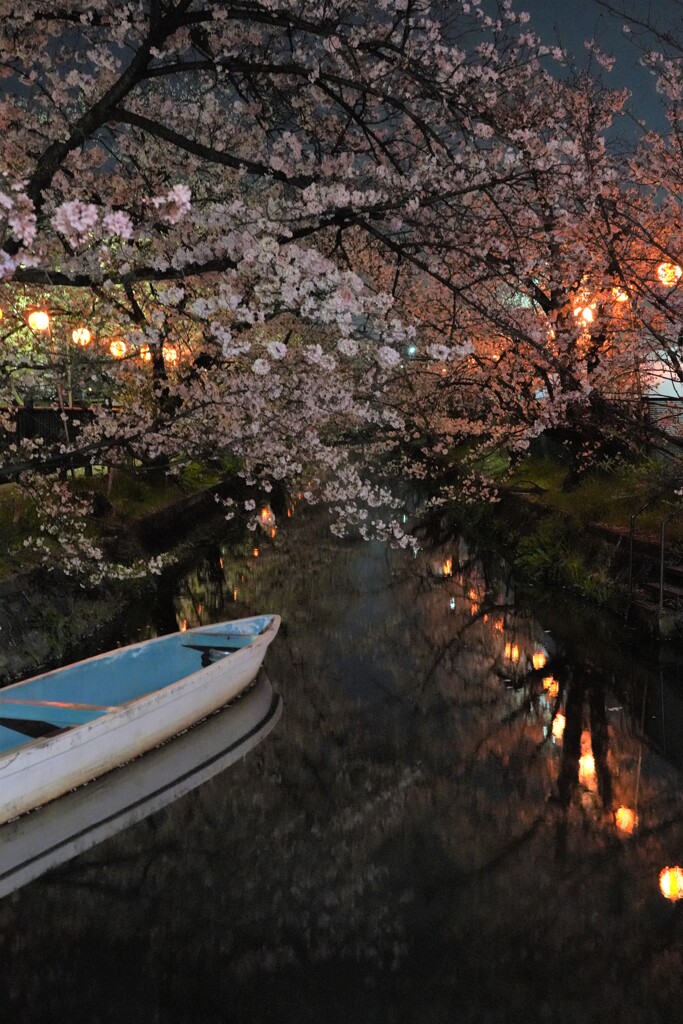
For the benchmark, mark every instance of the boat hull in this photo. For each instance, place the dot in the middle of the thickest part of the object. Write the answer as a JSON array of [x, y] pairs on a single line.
[[63, 829], [45, 769]]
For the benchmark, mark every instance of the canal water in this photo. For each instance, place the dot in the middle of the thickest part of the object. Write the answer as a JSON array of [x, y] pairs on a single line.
[[461, 816]]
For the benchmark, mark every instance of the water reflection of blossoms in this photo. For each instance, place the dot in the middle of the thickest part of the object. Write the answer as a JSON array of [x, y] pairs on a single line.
[[592, 741], [213, 589]]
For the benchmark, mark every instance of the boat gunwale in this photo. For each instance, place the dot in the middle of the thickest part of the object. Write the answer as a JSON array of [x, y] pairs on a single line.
[[134, 708]]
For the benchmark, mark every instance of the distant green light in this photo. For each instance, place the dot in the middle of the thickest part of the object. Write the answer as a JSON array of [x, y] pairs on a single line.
[[412, 350]]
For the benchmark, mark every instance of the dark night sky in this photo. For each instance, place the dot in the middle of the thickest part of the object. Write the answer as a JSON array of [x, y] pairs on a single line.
[[571, 22]]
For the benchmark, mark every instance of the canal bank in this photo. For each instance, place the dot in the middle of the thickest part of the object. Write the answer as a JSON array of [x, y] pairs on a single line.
[[48, 617]]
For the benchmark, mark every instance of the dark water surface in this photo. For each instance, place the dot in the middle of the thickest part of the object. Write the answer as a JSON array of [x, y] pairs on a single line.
[[411, 842]]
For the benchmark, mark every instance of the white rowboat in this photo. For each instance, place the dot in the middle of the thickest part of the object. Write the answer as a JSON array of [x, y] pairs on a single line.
[[63, 728], [52, 835]]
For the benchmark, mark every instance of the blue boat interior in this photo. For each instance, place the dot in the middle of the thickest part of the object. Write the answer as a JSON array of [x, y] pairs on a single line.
[[83, 692]]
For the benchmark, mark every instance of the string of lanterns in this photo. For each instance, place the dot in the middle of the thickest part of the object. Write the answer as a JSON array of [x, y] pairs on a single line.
[[39, 320]]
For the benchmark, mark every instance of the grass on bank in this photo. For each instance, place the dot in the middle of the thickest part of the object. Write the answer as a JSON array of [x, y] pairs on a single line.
[[544, 524], [608, 494], [122, 497]]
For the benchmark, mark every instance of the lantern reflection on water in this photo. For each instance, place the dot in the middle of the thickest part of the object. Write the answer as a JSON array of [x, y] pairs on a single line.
[[626, 819], [587, 773], [551, 686], [671, 883], [587, 770], [512, 652], [438, 568], [559, 723], [539, 658]]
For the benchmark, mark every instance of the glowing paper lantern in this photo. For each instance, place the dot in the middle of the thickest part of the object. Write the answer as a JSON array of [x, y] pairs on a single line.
[[145, 354], [669, 274], [118, 348], [671, 883], [39, 320], [267, 516], [447, 567], [81, 336], [170, 354], [619, 295]]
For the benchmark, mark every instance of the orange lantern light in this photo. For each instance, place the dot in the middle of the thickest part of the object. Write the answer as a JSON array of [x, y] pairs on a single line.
[[559, 723], [669, 274], [512, 652], [255, 552], [626, 819], [619, 295], [539, 658], [552, 686], [183, 626], [447, 567], [671, 883], [586, 314], [170, 354], [267, 516], [587, 770], [145, 354], [118, 348], [39, 320], [81, 336], [1, 314]]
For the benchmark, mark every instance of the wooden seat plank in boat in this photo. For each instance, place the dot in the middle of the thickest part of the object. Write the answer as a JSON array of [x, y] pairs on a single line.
[[59, 713]]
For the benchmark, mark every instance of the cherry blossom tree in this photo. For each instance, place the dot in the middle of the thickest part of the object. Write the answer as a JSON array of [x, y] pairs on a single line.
[[367, 227]]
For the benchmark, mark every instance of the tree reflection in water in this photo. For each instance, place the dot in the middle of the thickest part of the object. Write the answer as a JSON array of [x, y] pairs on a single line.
[[419, 839]]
